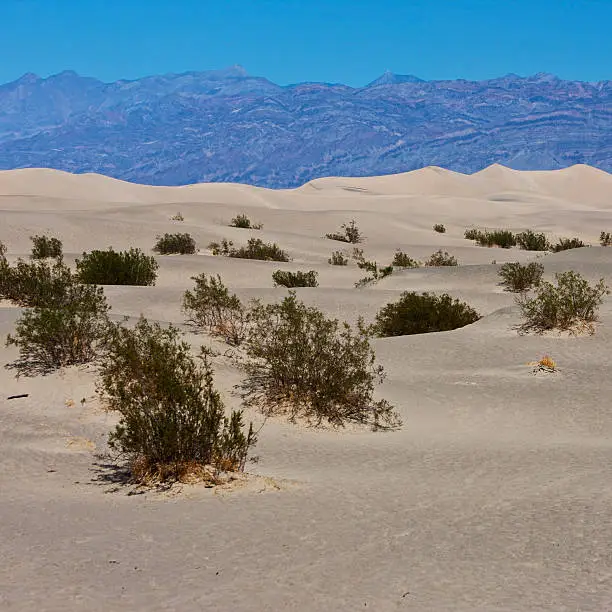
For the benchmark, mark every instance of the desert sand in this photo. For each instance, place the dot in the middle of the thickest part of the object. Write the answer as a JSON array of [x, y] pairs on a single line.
[[496, 493]]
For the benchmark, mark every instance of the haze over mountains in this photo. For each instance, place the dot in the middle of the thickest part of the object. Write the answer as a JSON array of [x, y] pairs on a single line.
[[229, 126]]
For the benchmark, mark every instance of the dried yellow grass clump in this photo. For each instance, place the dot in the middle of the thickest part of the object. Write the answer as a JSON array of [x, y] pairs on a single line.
[[546, 364]]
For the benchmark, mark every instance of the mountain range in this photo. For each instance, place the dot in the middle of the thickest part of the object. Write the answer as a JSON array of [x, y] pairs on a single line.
[[226, 125]]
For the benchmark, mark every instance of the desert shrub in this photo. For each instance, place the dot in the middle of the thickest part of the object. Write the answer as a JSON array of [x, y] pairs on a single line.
[[338, 259], [501, 238], [349, 234], [211, 306], [2, 251], [605, 239], [177, 217], [375, 272], [438, 227], [422, 313], [172, 420], [65, 334], [517, 277], [44, 247], [530, 241], [303, 364], [295, 279], [169, 244], [572, 302], [36, 283], [441, 258], [242, 221], [565, 244], [111, 267], [403, 260], [254, 249], [4, 272], [472, 234]]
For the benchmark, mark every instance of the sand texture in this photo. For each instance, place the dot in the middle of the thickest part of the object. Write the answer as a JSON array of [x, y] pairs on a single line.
[[496, 493]]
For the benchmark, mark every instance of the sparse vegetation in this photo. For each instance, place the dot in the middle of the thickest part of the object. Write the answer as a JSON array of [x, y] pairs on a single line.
[[518, 278], [254, 249], [65, 332], [243, 222], [423, 313], [111, 267], [530, 241], [338, 259], [177, 217], [572, 303], [605, 239], [44, 247], [376, 273], [565, 244], [295, 279], [472, 234], [211, 306], [438, 227], [500, 238], [403, 260], [441, 258], [170, 244], [172, 420], [306, 365], [349, 234]]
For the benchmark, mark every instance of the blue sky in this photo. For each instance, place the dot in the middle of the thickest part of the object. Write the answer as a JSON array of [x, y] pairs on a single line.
[[349, 41]]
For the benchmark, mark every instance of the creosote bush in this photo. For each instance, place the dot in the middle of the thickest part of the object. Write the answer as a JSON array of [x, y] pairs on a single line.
[[172, 420], [295, 279], [64, 332], [349, 234], [44, 247], [500, 238], [375, 272], [168, 244], [110, 267], [605, 239], [472, 234], [422, 313], [338, 259], [254, 249], [441, 258], [518, 278], [572, 303], [243, 222], [565, 244], [438, 227], [530, 241], [211, 306], [403, 260], [303, 364]]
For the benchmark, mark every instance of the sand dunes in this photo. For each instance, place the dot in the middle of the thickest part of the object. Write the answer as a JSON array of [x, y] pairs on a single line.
[[495, 495]]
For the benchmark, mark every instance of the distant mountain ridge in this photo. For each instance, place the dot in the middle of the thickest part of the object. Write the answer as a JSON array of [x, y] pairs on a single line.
[[226, 125]]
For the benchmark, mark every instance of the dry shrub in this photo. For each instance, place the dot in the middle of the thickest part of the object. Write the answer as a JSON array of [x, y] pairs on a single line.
[[403, 260], [350, 233], [438, 227], [243, 222], [565, 244], [441, 258], [605, 239], [338, 259], [295, 279]]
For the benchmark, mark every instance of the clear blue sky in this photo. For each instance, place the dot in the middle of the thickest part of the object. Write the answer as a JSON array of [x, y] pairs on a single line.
[[349, 41]]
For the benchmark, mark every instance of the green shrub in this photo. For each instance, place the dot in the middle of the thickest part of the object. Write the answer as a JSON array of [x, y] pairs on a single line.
[[168, 244], [44, 247], [376, 273], [301, 363], [338, 259], [605, 239], [403, 260], [211, 306], [438, 227], [572, 302], [350, 234], [530, 241], [36, 283], [68, 334], [565, 244], [472, 234], [2, 251], [441, 258], [518, 278], [242, 221], [110, 267], [255, 249], [295, 279], [422, 313], [172, 420], [501, 238]]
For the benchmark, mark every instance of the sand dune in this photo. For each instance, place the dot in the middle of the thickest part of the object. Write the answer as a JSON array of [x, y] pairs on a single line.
[[495, 494]]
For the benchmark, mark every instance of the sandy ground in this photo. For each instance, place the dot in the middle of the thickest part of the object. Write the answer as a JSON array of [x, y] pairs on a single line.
[[495, 494]]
